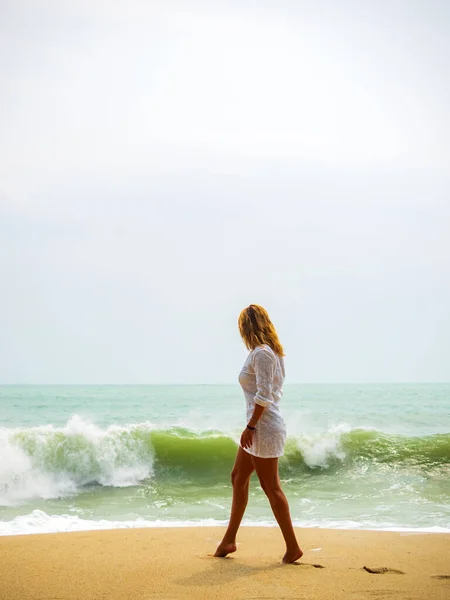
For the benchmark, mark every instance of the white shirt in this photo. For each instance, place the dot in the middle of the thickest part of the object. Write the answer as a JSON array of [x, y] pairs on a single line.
[[262, 378]]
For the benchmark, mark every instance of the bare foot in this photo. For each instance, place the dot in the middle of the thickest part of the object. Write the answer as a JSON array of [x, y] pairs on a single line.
[[292, 555], [223, 549]]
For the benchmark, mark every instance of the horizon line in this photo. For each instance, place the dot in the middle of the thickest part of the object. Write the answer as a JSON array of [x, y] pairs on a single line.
[[178, 384]]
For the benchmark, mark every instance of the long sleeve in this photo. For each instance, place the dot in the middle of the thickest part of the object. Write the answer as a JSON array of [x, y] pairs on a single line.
[[264, 363]]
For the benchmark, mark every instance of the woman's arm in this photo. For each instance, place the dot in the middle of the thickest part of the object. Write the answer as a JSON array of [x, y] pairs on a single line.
[[249, 431]]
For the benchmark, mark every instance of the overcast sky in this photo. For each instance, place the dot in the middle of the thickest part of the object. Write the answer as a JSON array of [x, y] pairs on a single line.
[[163, 164]]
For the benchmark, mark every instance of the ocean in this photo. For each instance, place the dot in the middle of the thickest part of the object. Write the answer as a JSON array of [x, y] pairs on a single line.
[[102, 457]]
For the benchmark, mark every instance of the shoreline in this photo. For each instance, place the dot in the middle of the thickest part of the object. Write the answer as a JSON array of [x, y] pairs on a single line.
[[173, 562], [196, 525], [86, 525]]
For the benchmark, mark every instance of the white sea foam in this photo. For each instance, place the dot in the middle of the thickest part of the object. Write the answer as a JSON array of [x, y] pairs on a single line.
[[40, 522], [51, 462]]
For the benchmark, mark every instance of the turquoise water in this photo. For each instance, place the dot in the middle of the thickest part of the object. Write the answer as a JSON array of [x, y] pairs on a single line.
[[86, 457]]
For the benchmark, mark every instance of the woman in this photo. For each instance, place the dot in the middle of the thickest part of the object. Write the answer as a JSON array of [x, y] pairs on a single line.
[[262, 441]]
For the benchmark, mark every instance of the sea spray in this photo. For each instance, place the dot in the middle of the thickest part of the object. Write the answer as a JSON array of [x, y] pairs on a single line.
[[320, 450], [50, 462]]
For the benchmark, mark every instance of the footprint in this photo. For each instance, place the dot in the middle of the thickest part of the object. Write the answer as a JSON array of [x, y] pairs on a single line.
[[440, 576], [379, 570], [315, 565]]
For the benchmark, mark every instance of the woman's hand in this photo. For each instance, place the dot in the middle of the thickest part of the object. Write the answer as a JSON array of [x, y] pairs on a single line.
[[247, 438]]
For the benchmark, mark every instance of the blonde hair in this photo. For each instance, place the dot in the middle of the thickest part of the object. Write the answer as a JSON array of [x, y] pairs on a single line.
[[257, 329]]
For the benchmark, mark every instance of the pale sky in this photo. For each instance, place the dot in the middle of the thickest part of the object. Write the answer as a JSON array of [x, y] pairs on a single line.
[[164, 164]]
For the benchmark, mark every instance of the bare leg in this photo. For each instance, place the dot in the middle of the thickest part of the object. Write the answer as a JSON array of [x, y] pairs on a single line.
[[267, 471], [240, 478]]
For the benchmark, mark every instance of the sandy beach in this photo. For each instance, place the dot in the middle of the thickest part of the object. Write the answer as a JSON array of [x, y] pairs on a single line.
[[175, 563]]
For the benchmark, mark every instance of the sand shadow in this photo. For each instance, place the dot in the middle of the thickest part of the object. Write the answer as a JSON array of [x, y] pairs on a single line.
[[221, 571]]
